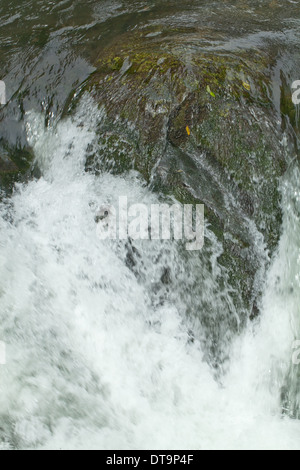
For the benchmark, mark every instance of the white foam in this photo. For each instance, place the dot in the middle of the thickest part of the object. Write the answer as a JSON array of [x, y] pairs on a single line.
[[92, 360]]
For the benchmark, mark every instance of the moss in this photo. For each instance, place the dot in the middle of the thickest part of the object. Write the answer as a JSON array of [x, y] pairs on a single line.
[[41, 37], [114, 154], [109, 64]]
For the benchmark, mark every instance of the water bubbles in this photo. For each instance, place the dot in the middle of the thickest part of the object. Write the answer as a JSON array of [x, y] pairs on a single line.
[[105, 343]]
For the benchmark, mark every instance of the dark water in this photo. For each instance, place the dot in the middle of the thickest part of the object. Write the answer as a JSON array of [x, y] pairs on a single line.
[[46, 48]]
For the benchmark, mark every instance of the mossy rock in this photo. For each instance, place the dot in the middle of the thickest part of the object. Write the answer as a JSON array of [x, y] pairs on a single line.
[[115, 154], [200, 127]]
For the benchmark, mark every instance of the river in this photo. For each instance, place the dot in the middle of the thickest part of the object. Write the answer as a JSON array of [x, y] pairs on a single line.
[[100, 355]]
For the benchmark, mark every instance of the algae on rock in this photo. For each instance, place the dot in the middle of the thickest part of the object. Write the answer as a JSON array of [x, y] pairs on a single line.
[[198, 126]]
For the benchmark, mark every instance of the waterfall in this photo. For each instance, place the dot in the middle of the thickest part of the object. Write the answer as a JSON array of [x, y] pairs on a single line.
[[100, 352]]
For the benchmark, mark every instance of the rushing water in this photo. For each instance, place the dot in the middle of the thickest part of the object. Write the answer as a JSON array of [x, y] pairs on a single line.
[[100, 352], [92, 360]]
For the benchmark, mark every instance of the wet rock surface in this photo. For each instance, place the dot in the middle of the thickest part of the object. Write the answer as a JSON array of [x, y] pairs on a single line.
[[15, 163], [200, 126]]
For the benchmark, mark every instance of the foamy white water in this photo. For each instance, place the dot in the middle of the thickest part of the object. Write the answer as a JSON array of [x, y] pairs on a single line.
[[98, 356]]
